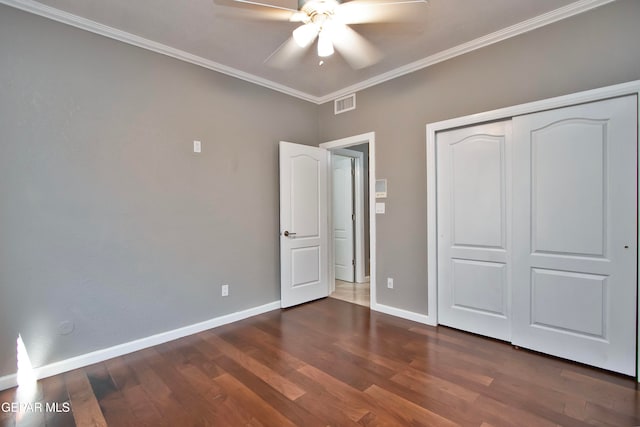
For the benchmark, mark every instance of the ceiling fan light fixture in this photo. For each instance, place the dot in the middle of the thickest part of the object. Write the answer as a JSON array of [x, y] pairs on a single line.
[[325, 46], [305, 34]]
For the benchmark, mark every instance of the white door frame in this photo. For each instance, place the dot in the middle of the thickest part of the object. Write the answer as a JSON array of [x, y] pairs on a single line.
[[358, 195], [364, 138], [630, 88]]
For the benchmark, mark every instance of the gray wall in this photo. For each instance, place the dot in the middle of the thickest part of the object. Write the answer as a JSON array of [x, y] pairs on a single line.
[[594, 49], [108, 219]]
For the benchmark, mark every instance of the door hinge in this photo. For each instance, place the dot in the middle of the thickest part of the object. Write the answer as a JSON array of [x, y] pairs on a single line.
[[353, 217], [353, 262]]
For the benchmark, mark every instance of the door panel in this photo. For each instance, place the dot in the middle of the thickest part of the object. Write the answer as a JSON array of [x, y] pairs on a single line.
[[343, 217], [477, 191], [303, 216], [473, 219], [568, 169], [574, 204], [479, 286], [552, 291], [305, 266], [305, 196]]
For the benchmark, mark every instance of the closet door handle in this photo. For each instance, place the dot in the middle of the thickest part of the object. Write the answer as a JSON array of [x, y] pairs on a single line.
[[287, 234]]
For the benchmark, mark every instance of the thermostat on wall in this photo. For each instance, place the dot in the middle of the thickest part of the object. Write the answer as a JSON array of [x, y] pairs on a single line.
[[381, 188]]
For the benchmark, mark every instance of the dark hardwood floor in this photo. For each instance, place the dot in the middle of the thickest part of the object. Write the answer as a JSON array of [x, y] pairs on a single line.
[[334, 363]]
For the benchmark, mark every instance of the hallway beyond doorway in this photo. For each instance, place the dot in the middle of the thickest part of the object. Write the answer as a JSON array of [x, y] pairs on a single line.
[[356, 293]]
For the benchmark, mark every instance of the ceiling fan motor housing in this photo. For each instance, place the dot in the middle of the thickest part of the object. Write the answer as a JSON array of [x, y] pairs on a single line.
[[317, 5]]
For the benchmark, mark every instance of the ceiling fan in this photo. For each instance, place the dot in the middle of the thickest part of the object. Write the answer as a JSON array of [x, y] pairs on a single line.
[[329, 22]]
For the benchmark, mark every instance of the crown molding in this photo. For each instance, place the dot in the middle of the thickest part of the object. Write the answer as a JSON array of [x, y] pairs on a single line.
[[506, 33], [125, 37], [104, 30]]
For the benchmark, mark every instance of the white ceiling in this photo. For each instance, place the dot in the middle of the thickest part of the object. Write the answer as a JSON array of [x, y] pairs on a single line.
[[229, 36]]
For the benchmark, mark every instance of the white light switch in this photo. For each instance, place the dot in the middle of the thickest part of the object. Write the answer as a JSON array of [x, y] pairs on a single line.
[[380, 208], [197, 147]]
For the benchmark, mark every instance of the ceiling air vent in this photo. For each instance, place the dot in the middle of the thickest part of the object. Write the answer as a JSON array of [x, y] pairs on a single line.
[[346, 103]]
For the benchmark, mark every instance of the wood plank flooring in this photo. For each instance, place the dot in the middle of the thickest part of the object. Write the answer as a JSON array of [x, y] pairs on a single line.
[[333, 363]]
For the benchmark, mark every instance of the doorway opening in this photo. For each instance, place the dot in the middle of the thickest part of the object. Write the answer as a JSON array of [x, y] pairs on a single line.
[[352, 225]]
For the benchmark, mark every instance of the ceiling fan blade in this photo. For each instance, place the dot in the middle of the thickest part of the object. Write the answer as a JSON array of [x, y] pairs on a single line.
[[253, 14], [239, 9], [355, 49], [365, 12], [387, 2], [299, 17], [273, 6], [287, 55]]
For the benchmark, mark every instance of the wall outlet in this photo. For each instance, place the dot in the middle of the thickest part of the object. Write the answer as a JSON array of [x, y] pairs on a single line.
[[390, 282], [225, 290], [197, 147]]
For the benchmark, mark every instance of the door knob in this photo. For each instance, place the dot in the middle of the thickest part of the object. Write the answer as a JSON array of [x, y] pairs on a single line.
[[287, 234]]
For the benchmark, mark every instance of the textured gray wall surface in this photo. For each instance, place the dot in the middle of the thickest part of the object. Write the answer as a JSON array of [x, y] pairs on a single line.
[[591, 50], [107, 217]]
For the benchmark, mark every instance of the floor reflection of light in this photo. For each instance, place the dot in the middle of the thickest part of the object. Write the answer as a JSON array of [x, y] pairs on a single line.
[[27, 382]]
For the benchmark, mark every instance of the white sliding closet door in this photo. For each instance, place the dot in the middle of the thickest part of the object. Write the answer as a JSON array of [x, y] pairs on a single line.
[[575, 233], [473, 226]]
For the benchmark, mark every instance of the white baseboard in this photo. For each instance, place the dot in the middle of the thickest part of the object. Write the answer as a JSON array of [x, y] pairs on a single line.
[[97, 356], [409, 315]]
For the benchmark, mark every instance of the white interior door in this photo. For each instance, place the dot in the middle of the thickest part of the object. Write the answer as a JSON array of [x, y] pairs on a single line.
[[303, 224], [473, 173], [575, 254], [343, 217]]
